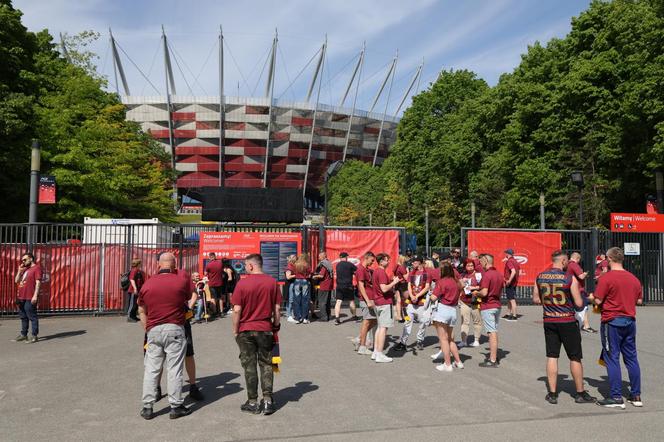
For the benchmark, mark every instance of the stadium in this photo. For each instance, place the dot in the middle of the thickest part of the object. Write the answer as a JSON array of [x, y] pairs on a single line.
[[262, 141]]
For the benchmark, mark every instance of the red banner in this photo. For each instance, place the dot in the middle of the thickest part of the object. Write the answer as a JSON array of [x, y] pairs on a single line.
[[637, 222], [531, 249], [47, 190], [357, 242], [275, 247]]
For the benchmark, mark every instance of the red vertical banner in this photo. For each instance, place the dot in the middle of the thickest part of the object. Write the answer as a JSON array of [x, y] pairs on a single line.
[[357, 242], [531, 249], [47, 190]]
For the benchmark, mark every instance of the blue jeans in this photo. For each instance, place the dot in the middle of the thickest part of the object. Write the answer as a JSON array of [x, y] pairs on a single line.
[[289, 301], [301, 299], [28, 313], [199, 309], [617, 339]]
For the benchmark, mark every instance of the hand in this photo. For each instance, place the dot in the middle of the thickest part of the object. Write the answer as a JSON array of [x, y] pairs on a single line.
[[34, 300], [395, 279], [371, 304], [537, 301]]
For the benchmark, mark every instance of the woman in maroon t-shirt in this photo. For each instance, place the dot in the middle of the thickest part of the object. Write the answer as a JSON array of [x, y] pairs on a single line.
[[469, 307], [301, 289], [136, 280], [446, 294], [401, 290]]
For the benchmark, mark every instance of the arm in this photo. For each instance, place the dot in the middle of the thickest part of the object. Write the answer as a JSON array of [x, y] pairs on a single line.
[[143, 316], [21, 269], [193, 299], [390, 286], [363, 292], [512, 274], [35, 296], [424, 291], [576, 293], [237, 309], [483, 292], [290, 275], [536, 296], [276, 316]]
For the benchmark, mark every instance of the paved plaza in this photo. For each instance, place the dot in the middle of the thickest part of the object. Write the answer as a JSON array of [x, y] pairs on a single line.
[[83, 380]]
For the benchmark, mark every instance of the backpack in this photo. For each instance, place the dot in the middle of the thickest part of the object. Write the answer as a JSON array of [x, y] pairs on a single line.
[[124, 281]]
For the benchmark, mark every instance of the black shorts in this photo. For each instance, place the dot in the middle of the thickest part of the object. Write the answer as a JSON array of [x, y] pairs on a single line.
[[216, 292], [510, 293], [566, 334], [189, 337], [402, 287], [345, 294]]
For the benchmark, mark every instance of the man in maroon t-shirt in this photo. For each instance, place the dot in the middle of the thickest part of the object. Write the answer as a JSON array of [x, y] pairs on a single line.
[[384, 298], [511, 275], [28, 278], [574, 269], [161, 308], [256, 317], [214, 271], [491, 287], [325, 286], [365, 288]]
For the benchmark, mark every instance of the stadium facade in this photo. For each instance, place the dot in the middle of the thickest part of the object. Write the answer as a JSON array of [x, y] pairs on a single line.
[[262, 141]]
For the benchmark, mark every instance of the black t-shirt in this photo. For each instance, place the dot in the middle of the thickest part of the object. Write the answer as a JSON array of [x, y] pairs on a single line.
[[345, 271]]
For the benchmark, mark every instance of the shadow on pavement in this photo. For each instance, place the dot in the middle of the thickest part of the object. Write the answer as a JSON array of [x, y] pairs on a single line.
[[63, 335], [501, 354], [215, 387], [565, 384], [293, 394], [604, 388]]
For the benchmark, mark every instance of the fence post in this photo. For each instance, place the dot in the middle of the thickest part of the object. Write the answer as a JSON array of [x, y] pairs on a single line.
[[180, 247], [304, 233], [102, 268], [321, 238], [463, 242], [404, 239], [590, 259]]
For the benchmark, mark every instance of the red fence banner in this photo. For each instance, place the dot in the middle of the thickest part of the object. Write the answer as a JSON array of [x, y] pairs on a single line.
[[531, 249], [275, 247], [637, 222], [357, 242]]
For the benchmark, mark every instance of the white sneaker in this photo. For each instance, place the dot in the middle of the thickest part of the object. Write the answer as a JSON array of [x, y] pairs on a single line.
[[437, 355], [305, 321], [373, 356], [291, 320], [475, 344], [444, 367], [458, 365], [364, 351], [381, 358]]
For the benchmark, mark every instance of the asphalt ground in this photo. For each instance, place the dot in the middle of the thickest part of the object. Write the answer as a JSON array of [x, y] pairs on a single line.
[[82, 381]]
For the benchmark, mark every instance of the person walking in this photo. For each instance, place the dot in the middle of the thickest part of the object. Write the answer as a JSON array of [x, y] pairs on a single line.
[[384, 299], [345, 291], [289, 274], [28, 278], [136, 281], [618, 292], [559, 294], [161, 303], [214, 272], [444, 315], [365, 287], [511, 275], [256, 317], [325, 278], [301, 290], [491, 287]]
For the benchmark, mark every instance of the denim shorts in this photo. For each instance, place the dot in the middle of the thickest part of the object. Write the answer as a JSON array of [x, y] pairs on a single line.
[[444, 314], [490, 319]]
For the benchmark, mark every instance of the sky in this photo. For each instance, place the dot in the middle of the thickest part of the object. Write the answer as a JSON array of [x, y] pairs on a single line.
[[484, 36]]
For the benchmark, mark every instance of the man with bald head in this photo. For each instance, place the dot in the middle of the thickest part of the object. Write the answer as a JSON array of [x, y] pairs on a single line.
[[161, 309]]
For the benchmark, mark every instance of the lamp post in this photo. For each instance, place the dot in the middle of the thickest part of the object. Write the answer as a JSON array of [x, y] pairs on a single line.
[[577, 180], [472, 214], [542, 219], [35, 166], [331, 171]]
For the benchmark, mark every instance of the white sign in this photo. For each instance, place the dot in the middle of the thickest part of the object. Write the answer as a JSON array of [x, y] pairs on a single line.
[[632, 249]]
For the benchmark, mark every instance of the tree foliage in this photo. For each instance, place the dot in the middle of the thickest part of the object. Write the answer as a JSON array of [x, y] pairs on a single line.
[[104, 165], [592, 101]]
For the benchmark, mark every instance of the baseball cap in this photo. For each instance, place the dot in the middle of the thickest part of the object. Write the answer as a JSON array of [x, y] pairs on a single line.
[[343, 255], [444, 256], [509, 251], [416, 258]]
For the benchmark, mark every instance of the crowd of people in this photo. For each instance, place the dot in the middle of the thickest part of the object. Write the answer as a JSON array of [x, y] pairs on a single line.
[[444, 291]]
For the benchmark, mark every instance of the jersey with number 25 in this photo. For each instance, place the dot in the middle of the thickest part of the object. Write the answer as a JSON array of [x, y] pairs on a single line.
[[554, 289]]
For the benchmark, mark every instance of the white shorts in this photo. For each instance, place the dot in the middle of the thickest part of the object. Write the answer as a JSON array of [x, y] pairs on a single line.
[[384, 314], [444, 314]]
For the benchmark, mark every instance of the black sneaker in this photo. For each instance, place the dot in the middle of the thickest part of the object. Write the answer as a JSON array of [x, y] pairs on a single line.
[[179, 411], [584, 398], [420, 345], [146, 413], [612, 403], [251, 407], [635, 400], [400, 347], [268, 407], [489, 364], [358, 319], [337, 321], [552, 398], [195, 393], [589, 330], [510, 318], [158, 395]]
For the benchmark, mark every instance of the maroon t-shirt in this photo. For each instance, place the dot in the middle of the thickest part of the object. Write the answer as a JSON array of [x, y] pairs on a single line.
[[478, 265], [434, 274], [447, 291], [401, 272], [215, 273], [366, 276], [599, 271], [510, 264], [382, 298], [574, 269], [327, 283], [164, 296], [28, 282], [619, 290], [493, 281], [139, 279], [468, 298], [257, 294], [418, 279]]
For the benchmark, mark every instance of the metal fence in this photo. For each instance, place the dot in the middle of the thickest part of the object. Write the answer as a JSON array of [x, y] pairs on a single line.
[[82, 263], [648, 266]]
